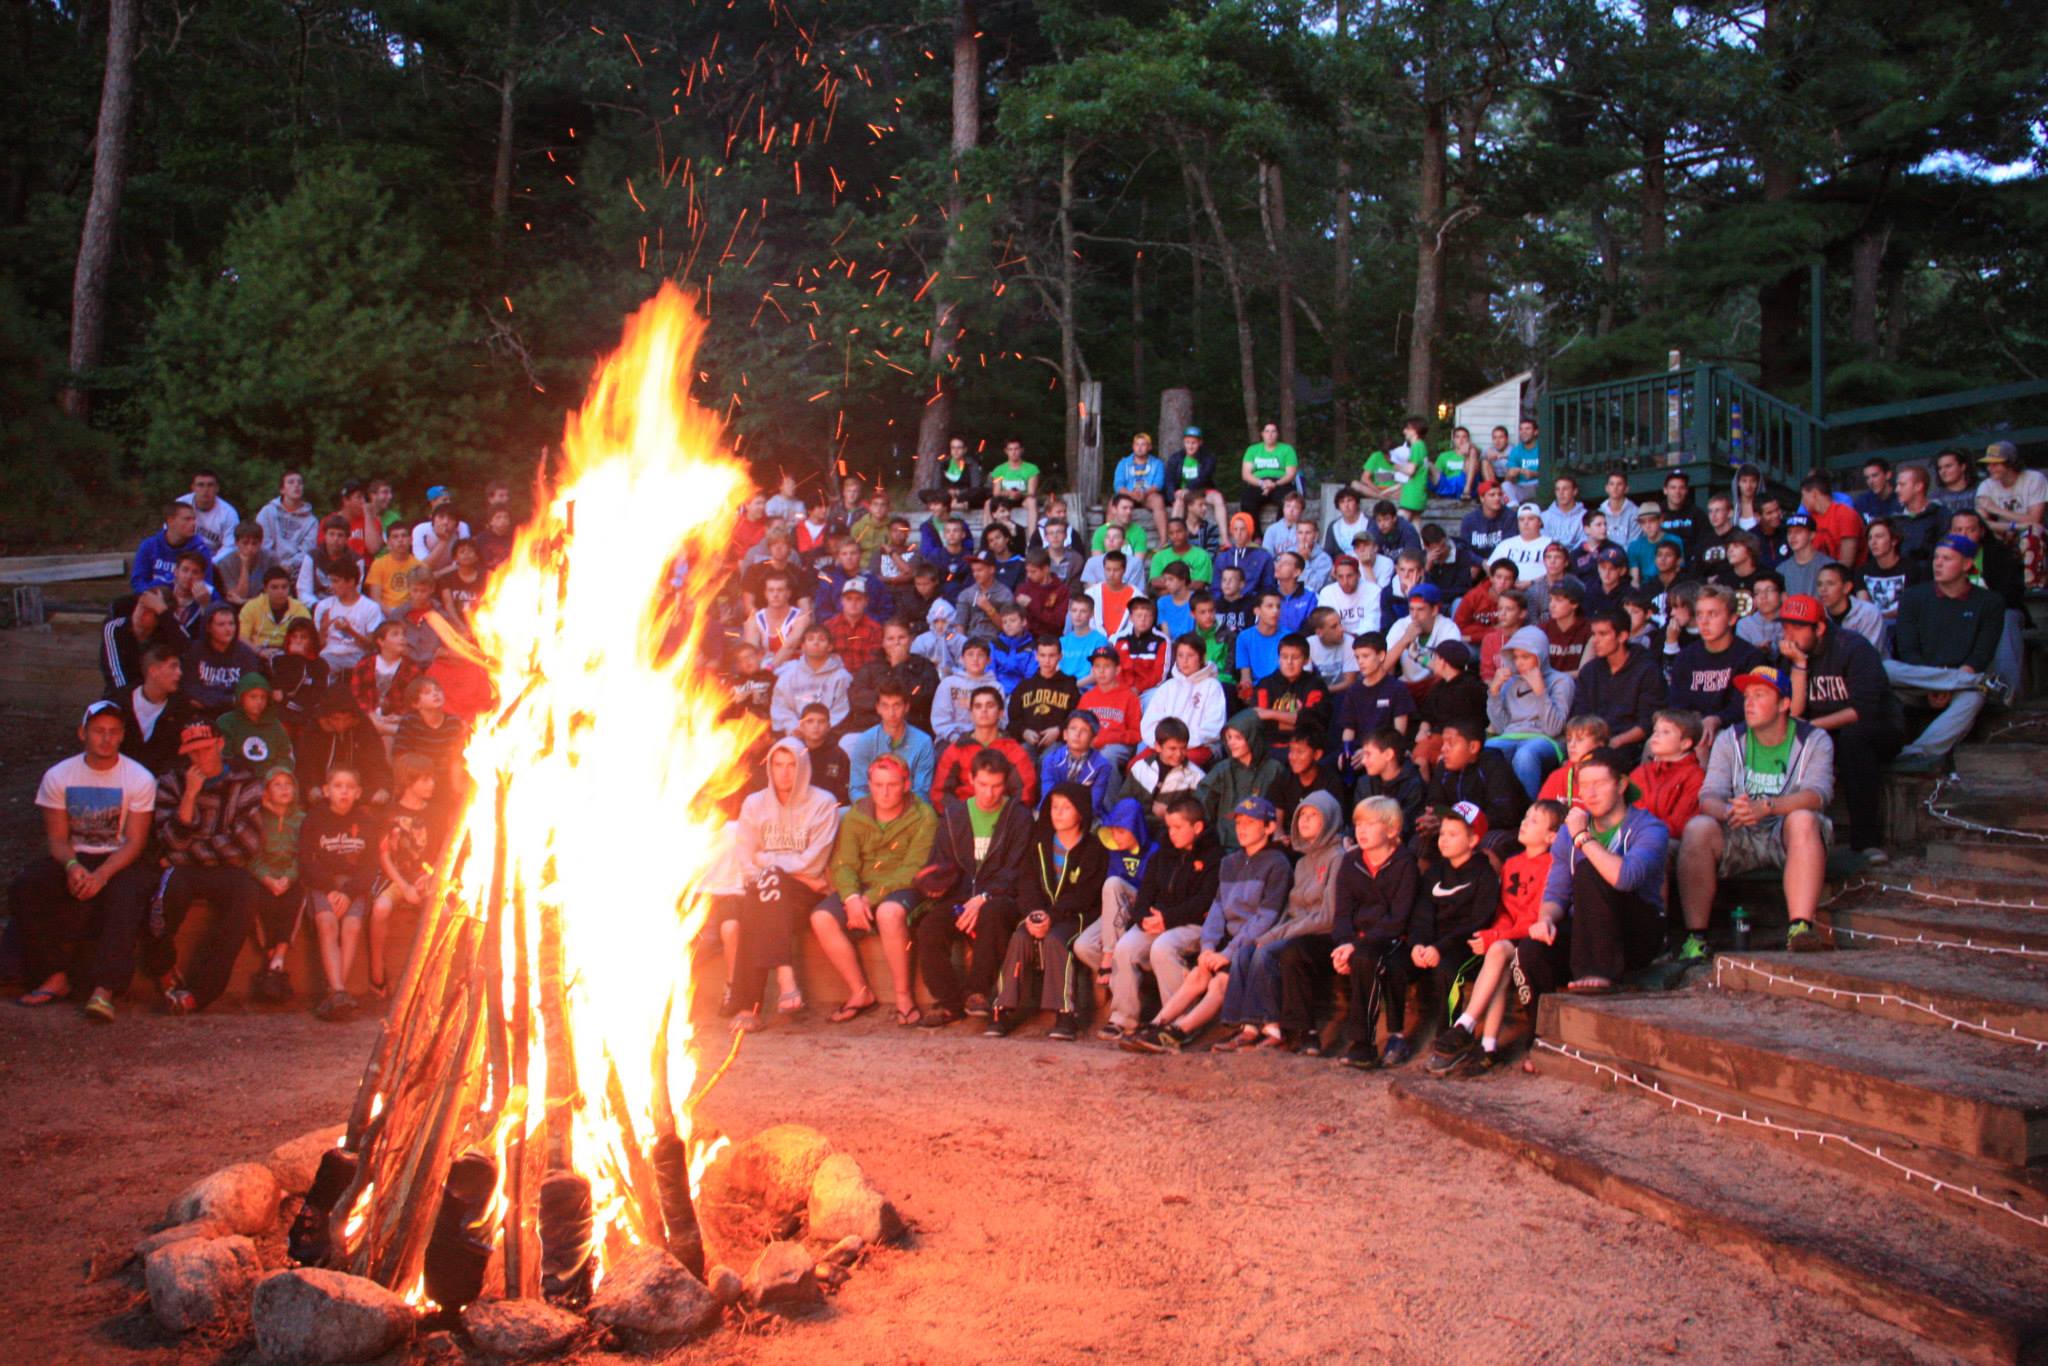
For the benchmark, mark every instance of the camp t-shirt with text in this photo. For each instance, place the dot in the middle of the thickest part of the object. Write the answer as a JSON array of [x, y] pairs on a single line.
[[96, 802], [1013, 478], [1275, 463], [1766, 768]]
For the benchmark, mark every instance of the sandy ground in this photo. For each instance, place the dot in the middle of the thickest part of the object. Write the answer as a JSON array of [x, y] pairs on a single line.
[[1068, 1203]]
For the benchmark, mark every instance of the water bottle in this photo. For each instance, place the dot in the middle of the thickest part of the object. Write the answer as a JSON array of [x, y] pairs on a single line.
[[1741, 930]]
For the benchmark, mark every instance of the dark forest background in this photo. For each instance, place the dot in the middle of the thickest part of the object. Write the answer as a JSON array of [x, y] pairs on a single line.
[[361, 238]]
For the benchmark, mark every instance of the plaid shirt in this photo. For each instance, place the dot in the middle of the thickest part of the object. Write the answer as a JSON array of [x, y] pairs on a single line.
[[362, 685], [854, 641]]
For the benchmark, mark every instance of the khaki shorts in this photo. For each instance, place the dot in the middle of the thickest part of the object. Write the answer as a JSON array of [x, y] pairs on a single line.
[[1750, 847]]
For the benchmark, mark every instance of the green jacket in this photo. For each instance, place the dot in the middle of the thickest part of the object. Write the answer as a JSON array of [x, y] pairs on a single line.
[[279, 856], [1229, 782], [872, 859]]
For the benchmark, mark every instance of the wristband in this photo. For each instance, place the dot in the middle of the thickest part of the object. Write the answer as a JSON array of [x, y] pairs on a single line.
[[72, 862]]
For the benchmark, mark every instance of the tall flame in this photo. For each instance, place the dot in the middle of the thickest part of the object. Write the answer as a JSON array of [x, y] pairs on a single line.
[[610, 752]]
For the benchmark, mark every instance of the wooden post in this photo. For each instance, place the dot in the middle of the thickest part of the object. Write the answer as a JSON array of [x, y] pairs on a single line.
[[1087, 471], [1176, 415]]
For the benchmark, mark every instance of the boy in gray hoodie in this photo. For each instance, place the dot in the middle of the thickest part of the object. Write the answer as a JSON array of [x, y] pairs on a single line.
[[1527, 704], [1763, 805], [782, 843]]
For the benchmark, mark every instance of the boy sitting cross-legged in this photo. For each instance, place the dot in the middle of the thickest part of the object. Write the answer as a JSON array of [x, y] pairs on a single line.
[[1502, 946]]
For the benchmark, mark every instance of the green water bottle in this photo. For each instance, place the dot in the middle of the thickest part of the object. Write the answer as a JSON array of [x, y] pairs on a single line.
[[1741, 930]]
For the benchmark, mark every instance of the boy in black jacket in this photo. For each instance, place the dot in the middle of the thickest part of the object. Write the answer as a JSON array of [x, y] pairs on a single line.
[[1375, 901], [1174, 894], [1470, 772], [972, 883], [1040, 705], [1060, 886], [1459, 898], [1387, 771]]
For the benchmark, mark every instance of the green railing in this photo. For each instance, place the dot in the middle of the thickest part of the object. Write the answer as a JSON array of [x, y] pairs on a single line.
[[1700, 415], [1706, 419]]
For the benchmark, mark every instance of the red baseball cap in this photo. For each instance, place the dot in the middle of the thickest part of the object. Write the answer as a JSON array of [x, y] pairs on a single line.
[[1802, 609]]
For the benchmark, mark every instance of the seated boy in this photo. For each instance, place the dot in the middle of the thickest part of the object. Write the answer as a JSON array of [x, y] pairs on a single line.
[[1080, 640], [1385, 769], [1504, 946], [1582, 735], [1460, 897]]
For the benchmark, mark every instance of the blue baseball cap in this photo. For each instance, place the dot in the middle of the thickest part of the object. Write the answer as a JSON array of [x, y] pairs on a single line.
[[1763, 676], [1962, 545], [437, 493], [1191, 431], [1258, 808], [1428, 592]]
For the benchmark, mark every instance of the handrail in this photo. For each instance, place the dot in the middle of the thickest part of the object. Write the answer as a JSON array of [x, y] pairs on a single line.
[[1939, 403]]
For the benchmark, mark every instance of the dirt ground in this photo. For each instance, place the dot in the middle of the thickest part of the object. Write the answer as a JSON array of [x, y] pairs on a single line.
[[1068, 1203]]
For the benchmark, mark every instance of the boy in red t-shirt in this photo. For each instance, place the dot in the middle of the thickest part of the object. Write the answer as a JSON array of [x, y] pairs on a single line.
[[1471, 1044], [1115, 706], [1670, 774]]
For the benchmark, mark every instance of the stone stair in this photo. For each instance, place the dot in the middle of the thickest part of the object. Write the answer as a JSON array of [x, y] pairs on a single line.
[[1870, 1124]]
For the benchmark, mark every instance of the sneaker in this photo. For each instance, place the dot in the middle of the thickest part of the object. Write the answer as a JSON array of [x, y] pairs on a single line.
[[1919, 763], [1805, 937], [1398, 1051], [99, 1007], [979, 1008], [1065, 1028], [178, 1001], [1111, 1032], [1996, 691], [1001, 1024], [1143, 1039], [1174, 1039], [1453, 1041], [335, 1006], [938, 1017], [1363, 1056], [1443, 1060], [1477, 1063], [1874, 858], [1694, 949], [1312, 1044], [272, 986]]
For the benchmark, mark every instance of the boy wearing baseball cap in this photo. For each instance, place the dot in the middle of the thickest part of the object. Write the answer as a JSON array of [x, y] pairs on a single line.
[[1460, 897], [1839, 684], [1770, 779]]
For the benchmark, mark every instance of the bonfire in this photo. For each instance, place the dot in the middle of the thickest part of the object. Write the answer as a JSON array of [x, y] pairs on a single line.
[[525, 1118]]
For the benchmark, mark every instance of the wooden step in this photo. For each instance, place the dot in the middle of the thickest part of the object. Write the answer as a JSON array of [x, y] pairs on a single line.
[[1966, 852], [1980, 1100], [1893, 922], [2006, 891], [1993, 996], [2011, 760], [1911, 1267]]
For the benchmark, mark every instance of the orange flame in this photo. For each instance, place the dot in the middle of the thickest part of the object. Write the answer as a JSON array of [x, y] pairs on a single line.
[[611, 751]]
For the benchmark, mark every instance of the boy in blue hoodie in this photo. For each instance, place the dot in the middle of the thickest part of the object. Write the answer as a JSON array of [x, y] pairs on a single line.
[[1606, 879], [1013, 655]]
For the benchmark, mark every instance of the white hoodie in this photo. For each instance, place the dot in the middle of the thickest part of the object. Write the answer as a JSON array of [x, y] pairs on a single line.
[[1196, 699], [794, 836]]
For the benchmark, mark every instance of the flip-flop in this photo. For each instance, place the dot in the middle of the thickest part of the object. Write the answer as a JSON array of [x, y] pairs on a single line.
[[910, 1018], [850, 1012], [39, 997], [1590, 988]]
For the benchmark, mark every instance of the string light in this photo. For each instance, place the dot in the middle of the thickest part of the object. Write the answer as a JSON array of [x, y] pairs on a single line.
[[1822, 1137], [1941, 813], [1984, 1027]]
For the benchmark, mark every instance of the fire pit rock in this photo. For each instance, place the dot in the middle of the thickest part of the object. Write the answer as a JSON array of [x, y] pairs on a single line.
[[783, 1277], [652, 1300], [725, 1285], [178, 1233], [318, 1317], [195, 1281], [843, 1204], [243, 1198], [519, 1330], [295, 1162], [774, 1169]]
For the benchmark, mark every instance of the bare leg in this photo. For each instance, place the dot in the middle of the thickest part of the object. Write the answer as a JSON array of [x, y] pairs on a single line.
[[1209, 1006], [1191, 991], [1806, 865], [351, 939], [1699, 859], [840, 953], [328, 928], [380, 932], [1496, 1016], [729, 940], [892, 922], [1487, 985]]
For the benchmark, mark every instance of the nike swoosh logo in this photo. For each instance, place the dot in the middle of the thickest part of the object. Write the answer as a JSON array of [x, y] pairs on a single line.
[[1442, 890]]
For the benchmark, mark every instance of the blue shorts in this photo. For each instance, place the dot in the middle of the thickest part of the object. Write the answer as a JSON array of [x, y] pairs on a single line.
[[835, 906]]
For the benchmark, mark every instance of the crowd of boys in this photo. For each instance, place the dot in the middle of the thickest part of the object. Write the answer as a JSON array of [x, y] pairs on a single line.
[[1104, 772]]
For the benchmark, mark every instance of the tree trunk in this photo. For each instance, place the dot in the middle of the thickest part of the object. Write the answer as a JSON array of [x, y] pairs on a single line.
[[1429, 257], [109, 178], [501, 172], [1654, 200], [1273, 216], [935, 424], [1176, 415], [1866, 270], [1340, 285], [1137, 330], [1610, 270], [1233, 278], [1070, 347], [1778, 301]]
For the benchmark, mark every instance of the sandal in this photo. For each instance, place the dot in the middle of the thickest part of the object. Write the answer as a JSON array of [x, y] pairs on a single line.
[[850, 1012], [379, 988], [909, 1018], [1273, 1041], [1246, 1037], [938, 1017], [1590, 986], [41, 996], [790, 1004]]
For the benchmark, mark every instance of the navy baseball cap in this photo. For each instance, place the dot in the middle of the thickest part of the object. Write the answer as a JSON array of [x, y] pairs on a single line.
[[1258, 808], [1800, 518], [1615, 556]]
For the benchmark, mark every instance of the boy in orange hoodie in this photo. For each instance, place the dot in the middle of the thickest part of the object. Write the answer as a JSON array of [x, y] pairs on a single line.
[[1115, 706], [1470, 1046], [1582, 735]]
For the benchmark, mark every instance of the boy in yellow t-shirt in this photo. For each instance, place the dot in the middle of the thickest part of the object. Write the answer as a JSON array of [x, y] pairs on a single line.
[[389, 581]]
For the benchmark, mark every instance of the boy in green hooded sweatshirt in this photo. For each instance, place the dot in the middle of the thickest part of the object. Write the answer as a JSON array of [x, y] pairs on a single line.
[[255, 738], [1243, 770]]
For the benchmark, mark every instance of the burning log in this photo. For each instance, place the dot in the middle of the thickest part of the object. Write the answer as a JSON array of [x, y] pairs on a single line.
[[567, 1238]]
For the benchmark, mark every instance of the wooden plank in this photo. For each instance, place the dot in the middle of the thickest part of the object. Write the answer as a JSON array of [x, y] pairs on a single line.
[[94, 567], [2005, 998], [1938, 403], [1708, 1195]]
